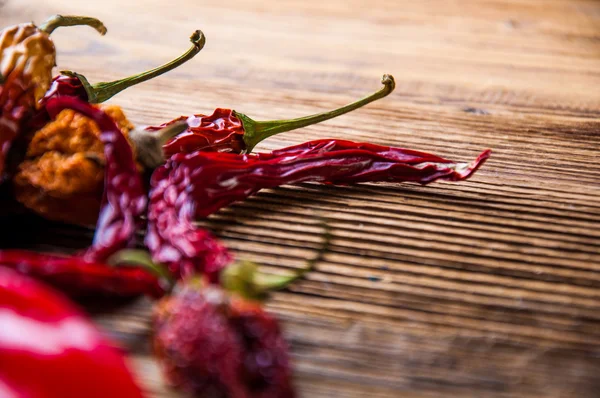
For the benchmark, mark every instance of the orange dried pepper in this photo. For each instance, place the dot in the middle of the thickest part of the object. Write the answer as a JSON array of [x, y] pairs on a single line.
[[62, 176]]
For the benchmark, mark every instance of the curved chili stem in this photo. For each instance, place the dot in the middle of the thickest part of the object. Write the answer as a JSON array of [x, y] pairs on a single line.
[[245, 278], [141, 258], [58, 21], [256, 131], [101, 92]]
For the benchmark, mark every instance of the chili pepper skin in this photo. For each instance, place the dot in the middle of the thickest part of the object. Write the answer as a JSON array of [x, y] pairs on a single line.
[[172, 237], [76, 277], [48, 348], [210, 181], [212, 343], [233, 132], [124, 198], [27, 56]]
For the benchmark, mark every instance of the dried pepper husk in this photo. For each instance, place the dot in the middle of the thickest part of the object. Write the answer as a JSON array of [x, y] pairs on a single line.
[[27, 56], [61, 175]]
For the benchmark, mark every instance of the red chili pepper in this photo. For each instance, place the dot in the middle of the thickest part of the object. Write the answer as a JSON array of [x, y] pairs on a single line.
[[77, 277], [48, 348], [172, 237], [124, 199], [230, 131], [221, 339], [210, 343], [204, 182]]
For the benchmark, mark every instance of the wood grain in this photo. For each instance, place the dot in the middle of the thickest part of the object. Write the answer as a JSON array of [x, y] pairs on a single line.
[[487, 288]]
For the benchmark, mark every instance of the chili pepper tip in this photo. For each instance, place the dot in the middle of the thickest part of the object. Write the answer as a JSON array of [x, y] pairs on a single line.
[[389, 81], [198, 38]]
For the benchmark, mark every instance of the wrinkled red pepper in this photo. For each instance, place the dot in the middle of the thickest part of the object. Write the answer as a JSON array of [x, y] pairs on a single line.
[[76, 277], [124, 198], [211, 342], [172, 237], [204, 182], [230, 131], [48, 348]]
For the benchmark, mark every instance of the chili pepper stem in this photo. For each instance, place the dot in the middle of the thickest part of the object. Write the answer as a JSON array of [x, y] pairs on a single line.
[[58, 21], [150, 145], [103, 91], [256, 131], [141, 258], [246, 279]]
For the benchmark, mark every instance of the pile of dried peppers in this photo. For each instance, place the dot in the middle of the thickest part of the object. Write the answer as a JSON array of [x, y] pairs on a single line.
[[67, 158]]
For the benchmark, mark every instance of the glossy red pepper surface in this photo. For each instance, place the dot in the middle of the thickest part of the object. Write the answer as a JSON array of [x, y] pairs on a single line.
[[220, 132], [49, 349], [233, 132]]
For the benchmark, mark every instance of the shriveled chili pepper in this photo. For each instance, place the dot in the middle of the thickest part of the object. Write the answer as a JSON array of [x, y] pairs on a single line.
[[59, 175], [62, 175], [27, 56], [77, 277], [211, 343], [230, 131], [204, 182], [124, 198], [221, 340], [48, 348], [172, 237]]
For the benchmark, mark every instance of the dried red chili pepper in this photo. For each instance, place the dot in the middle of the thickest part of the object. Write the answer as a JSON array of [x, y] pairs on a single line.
[[77, 277], [220, 340], [48, 348], [124, 199], [27, 56], [172, 237], [204, 182], [230, 131], [211, 343]]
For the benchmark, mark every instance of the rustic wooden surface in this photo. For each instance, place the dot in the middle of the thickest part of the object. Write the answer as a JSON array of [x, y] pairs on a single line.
[[488, 288]]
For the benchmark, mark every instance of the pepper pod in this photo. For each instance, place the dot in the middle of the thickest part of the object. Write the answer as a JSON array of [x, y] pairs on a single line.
[[230, 131], [61, 171], [219, 341], [48, 348], [27, 56]]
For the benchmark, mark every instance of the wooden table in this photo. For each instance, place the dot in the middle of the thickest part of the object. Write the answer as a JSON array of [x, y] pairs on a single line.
[[487, 288]]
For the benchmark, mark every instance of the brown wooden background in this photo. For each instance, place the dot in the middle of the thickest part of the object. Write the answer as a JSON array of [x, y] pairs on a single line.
[[487, 288]]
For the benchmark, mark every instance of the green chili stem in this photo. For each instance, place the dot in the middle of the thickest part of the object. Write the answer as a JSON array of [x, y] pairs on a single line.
[[141, 258], [245, 278], [101, 92], [58, 21], [256, 131]]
